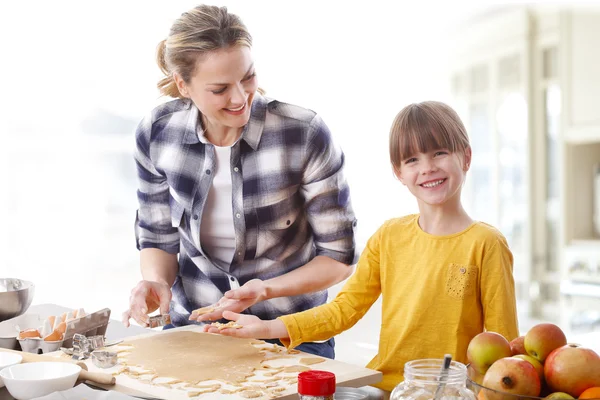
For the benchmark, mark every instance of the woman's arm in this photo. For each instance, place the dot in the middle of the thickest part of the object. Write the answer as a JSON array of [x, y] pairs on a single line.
[[157, 239], [158, 266], [318, 274]]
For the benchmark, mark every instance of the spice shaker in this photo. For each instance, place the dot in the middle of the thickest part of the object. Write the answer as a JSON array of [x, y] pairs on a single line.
[[316, 385]]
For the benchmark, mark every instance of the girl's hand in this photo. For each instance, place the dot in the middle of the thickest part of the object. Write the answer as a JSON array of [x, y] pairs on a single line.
[[251, 327], [145, 298], [236, 300]]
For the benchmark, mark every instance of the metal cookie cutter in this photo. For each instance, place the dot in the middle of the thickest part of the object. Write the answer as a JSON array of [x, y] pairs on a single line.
[[83, 346], [159, 320], [104, 359]]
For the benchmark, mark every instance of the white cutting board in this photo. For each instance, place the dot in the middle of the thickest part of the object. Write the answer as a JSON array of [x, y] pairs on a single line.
[[346, 375]]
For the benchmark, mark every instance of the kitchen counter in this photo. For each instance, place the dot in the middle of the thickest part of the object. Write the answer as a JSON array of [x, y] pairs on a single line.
[[116, 330]]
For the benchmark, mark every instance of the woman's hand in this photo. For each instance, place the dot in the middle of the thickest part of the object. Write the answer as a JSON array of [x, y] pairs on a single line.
[[237, 300], [145, 298], [252, 327]]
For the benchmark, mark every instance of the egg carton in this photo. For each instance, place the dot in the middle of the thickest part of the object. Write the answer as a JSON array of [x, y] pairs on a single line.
[[94, 324]]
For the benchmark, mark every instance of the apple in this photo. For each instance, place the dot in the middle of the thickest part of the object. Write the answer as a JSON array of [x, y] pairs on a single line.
[[539, 368], [485, 348], [517, 346], [542, 339], [513, 376], [572, 369], [559, 396]]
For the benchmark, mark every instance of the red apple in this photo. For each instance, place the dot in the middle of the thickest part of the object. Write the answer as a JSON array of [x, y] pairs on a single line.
[[485, 348], [572, 369], [517, 346], [542, 339], [513, 376], [539, 368]]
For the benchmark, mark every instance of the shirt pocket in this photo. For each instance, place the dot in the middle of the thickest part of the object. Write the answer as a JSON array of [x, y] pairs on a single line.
[[277, 219], [461, 280]]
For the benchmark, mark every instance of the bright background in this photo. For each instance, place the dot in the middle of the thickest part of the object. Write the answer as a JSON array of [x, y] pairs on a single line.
[[78, 77]]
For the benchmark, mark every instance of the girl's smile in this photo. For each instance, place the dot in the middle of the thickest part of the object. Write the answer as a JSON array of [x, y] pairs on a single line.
[[432, 184]]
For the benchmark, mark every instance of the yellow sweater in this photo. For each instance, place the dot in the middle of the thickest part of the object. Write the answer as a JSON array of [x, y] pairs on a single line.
[[438, 293]]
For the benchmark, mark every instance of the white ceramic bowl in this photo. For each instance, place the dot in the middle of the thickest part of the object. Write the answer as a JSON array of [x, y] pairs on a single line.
[[26, 381], [7, 360]]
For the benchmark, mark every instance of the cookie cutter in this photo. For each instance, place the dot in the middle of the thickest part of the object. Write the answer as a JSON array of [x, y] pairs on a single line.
[[159, 320], [83, 346], [104, 359]]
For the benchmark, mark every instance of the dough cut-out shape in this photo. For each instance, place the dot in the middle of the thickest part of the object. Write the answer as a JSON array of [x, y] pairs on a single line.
[[205, 310], [250, 394], [311, 360], [296, 368], [230, 324]]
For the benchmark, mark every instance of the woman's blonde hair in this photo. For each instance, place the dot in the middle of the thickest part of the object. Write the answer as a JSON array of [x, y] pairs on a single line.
[[424, 127], [201, 30]]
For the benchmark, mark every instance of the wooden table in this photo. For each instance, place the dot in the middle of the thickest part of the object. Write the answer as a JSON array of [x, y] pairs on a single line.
[[346, 374]]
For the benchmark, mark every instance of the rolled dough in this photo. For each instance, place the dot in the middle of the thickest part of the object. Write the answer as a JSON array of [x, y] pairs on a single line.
[[195, 357]]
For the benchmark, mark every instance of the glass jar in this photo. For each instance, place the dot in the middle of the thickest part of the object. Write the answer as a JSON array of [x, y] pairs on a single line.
[[422, 381], [316, 385]]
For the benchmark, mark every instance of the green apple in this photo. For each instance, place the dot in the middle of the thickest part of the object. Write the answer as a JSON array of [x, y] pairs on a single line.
[[485, 348]]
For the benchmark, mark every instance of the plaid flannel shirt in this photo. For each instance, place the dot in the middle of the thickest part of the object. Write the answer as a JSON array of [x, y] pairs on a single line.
[[290, 201]]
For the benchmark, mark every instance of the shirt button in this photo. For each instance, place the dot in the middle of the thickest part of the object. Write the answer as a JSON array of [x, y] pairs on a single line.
[[196, 216], [239, 253], [232, 278], [236, 169], [463, 270], [238, 215], [208, 172]]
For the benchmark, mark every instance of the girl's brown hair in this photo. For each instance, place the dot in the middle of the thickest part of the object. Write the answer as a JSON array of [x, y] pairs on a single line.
[[199, 31], [424, 127]]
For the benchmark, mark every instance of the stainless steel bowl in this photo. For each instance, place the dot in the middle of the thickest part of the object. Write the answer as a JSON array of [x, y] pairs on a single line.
[[15, 297]]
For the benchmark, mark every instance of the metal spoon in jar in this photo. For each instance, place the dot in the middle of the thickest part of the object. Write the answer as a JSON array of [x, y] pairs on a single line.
[[443, 376]]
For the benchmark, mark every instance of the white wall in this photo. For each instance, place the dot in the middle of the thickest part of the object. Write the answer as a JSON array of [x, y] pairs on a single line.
[[67, 203]]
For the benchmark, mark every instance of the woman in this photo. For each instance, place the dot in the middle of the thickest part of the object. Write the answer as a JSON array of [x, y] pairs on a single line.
[[243, 202]]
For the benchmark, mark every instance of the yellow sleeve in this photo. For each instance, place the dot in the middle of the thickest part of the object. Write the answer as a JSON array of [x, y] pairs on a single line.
[[498, 291], [356, 297]]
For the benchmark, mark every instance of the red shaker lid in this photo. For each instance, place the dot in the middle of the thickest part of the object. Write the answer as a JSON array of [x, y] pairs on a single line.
[[316, 383]]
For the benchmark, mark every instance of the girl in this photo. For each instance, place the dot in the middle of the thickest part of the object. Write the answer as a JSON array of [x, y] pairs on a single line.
[[444, 278]]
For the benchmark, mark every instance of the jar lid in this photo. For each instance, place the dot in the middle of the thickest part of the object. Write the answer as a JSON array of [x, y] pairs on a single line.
[[316, 383]]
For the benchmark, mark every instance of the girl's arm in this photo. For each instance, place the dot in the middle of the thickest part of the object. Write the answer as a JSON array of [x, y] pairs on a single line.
[[498, 291]]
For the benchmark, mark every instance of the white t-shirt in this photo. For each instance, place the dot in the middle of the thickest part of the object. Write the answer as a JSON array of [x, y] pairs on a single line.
[[217, 233]]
